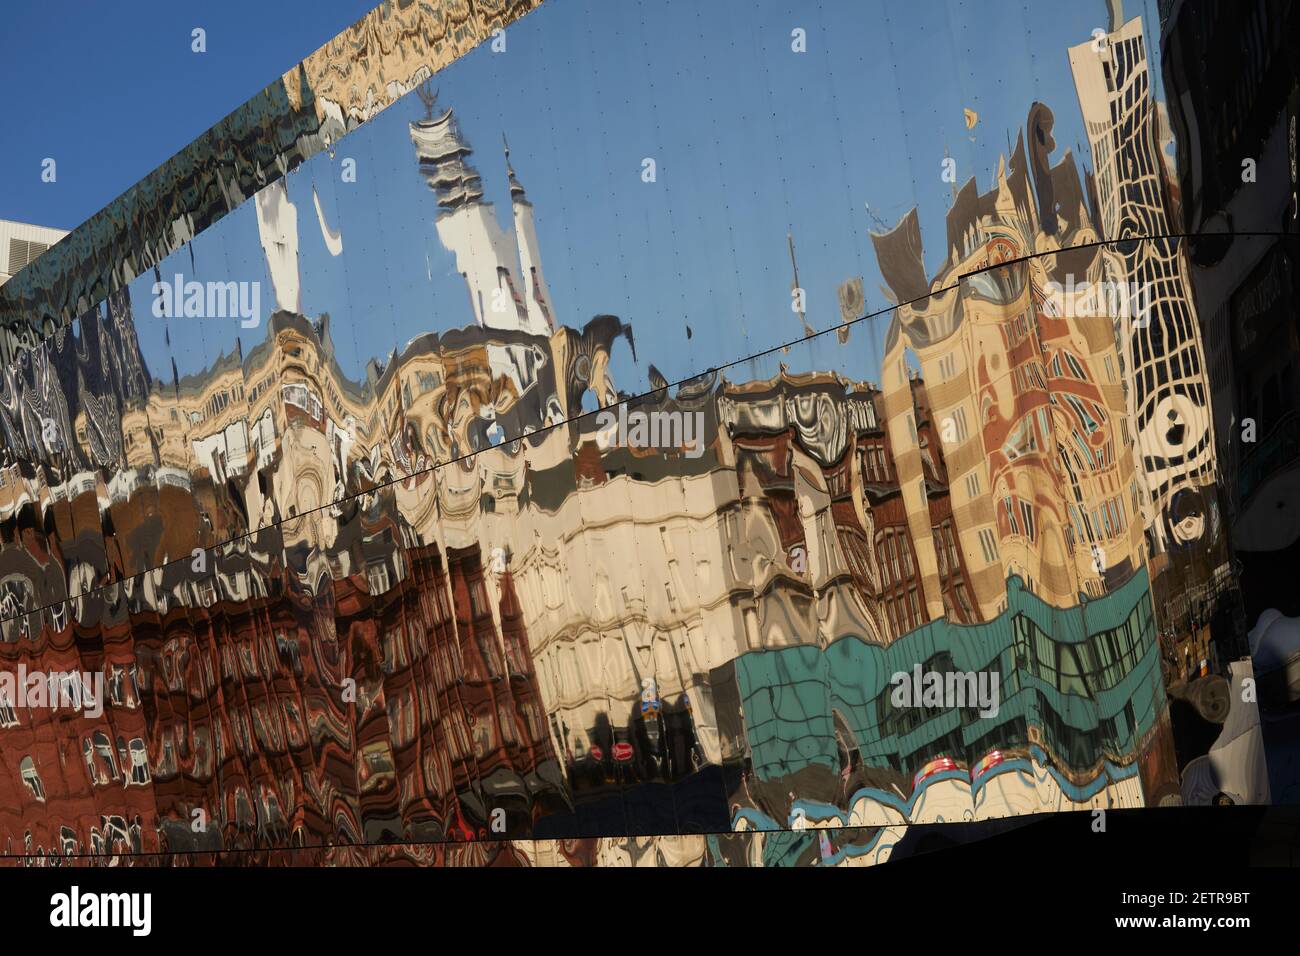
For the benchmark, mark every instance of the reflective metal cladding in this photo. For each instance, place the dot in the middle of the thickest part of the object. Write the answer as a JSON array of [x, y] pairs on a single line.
[[722, 479]]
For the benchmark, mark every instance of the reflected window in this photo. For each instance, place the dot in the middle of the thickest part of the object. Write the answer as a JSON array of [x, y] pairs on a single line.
[[8, 716], [27, 770]]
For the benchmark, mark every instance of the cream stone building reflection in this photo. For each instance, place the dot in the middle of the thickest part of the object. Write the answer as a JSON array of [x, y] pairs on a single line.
[[1025, 389]]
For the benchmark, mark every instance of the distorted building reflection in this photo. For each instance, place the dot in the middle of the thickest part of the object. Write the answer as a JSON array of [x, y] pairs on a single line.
[[432, 594]]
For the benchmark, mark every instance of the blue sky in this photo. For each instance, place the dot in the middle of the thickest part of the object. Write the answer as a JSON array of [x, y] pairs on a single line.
[[112, 90], [750, 140]]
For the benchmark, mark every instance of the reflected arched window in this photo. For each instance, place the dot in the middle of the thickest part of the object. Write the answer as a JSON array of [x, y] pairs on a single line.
[[140, 760], [104, 755], [27, 770]]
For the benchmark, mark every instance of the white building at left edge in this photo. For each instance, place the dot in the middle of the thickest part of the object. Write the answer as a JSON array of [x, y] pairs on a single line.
[[21, 243]]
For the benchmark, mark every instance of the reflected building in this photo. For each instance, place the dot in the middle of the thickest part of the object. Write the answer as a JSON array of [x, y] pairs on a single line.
[[1234, 96], [470, 592], [1025, 401], [1168, 398], [440, 603]]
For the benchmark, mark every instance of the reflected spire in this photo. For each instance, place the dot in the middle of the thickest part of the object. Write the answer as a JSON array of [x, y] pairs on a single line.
[[516, 188]]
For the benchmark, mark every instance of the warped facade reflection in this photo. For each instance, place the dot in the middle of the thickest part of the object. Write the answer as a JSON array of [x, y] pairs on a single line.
[[467, 590]]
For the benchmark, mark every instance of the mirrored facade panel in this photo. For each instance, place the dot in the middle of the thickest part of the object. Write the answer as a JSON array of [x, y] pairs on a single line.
[[852, 466], [736, 209], [770, 598]]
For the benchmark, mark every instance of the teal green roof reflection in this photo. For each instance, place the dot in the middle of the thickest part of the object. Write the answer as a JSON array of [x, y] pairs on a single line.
[[1086, 676]]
